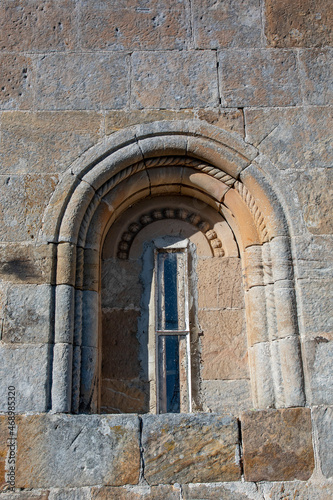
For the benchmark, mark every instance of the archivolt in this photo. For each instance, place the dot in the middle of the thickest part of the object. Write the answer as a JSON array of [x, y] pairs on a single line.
[[185, 158]]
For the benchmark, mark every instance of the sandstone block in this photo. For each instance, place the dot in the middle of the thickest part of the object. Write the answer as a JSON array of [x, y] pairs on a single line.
[[311, 490], [224, 345], [221, 491], [126, 26], [316, 296], [314, 256], [16, 76], [27, 495], [82, 81], [120, 284], [220, 283], [71, 451], [154, 85], [226, 396], [26, 368], [277, 445], [70, 494], [27, 263], [189, 448], [117, 120], [292, 24], [316, 202], [90, 318], [35, 27], [319, 360], [170, 492], [292, 138], [226, 24], [316, 71], [120, 344], [323, 421], [259, 78], [124, 396], [227, 119], [23, 201], [27, 315], [45, 141]]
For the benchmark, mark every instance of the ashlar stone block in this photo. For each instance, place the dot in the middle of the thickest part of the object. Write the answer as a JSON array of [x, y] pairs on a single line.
[[259, 78], [292, 138], [37, 27], [317, 74], [224, 345], [17, 74], [28, 314], [221, 491], [84, 81], [224, 24], [45, 142], [277, 445], [154, 85], [190, 448], [76, 451], [170, 492], [294, 24], [128, 25], [220, 283], [26, 367]]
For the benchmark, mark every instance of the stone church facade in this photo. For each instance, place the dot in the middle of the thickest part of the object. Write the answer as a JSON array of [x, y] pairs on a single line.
[[166, 249]]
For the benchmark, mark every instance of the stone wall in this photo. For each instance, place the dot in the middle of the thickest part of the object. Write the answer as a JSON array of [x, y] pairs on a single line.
[[73, 75]]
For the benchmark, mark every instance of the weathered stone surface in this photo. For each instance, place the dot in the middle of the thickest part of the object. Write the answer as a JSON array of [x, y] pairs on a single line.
[[16, 79], [318, 354], [323, 421], [124, 396], [221, 491], [294, 24], [125, 25], [170, 492], [154, 85], [315, 193], [82, 81], [27, 369], [292, 138], [70, 494], [226, 396], [316, 297], [71, 451], [26, 263], [27, 315], [34, 27], [277, 445], [226, 24], [4, 435], [120, 344], [224, 345], [317, 72], [120, 284], [227, 119], [117, 120], [296, 490], [189, 448], [220, 283], [314, 256], [259, 78], [28, 495], [45, 141], [23, 200]]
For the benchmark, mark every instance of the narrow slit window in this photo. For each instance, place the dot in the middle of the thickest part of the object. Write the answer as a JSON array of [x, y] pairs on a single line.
[[172, 332]]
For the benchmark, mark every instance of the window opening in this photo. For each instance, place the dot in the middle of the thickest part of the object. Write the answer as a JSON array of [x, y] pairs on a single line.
[[172, 335]]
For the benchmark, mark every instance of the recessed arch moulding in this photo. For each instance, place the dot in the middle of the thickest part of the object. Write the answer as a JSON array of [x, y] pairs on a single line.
[[193, 160]]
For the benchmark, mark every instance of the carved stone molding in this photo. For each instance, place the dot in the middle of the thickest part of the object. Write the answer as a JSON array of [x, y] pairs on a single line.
[[193, 218], [254, 209]]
